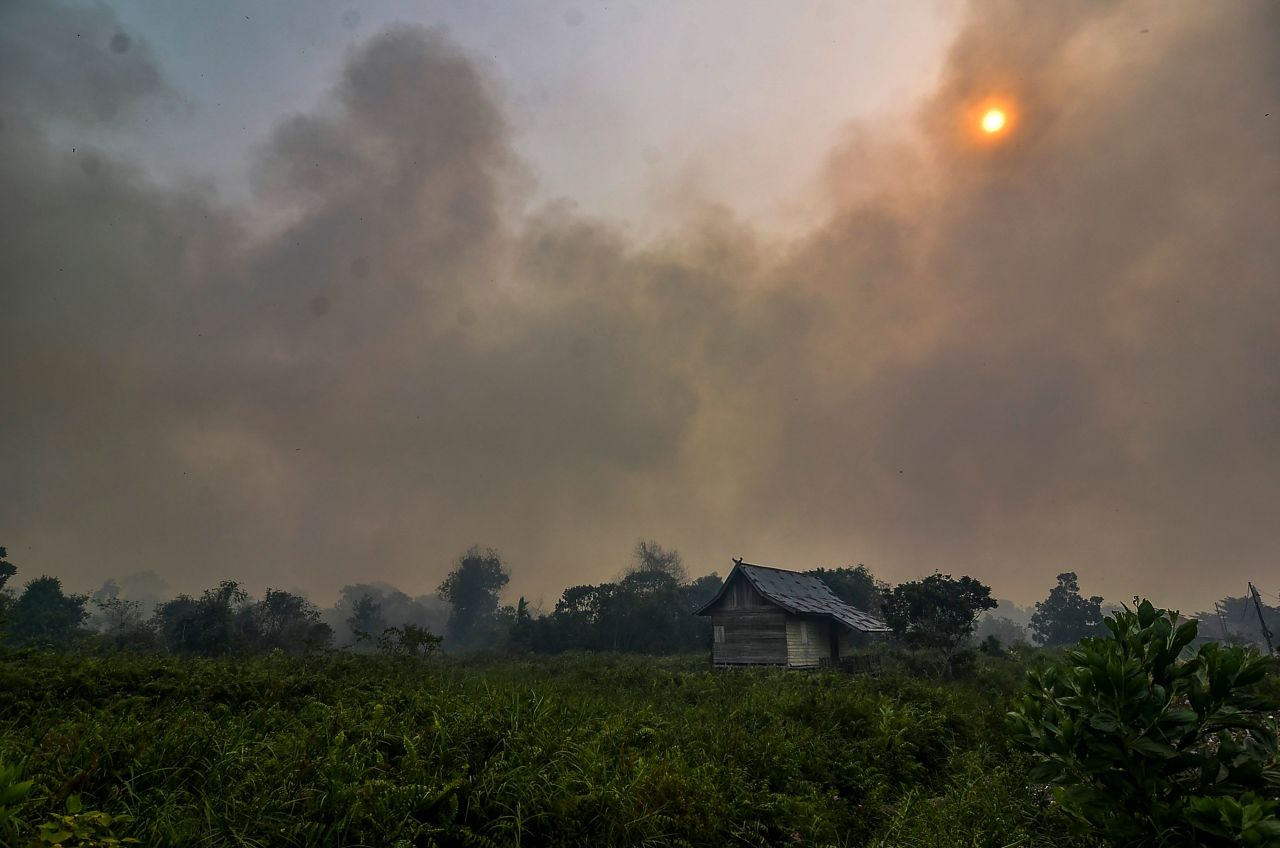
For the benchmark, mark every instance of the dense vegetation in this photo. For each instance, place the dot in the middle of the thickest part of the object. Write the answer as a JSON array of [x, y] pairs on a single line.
[[339, 749], [1143, 742], [221, 719], [647, 610], [1151, 744]]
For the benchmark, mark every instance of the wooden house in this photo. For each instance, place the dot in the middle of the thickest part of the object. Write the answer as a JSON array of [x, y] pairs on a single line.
[[768, 616]]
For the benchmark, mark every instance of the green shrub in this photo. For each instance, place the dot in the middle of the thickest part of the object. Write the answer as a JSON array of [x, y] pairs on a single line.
[[583, 750], [12, 792], [1147, 744], [79, 828]]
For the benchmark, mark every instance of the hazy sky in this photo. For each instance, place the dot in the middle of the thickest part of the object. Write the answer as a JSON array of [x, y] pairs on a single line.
[[311, 294], [628, 110]]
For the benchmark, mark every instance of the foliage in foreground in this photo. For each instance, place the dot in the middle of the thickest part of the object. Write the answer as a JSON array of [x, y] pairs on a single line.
[[576, 750], [1149, 745]]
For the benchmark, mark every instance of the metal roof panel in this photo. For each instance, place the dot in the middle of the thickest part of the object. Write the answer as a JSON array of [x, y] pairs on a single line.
[[803, 594]]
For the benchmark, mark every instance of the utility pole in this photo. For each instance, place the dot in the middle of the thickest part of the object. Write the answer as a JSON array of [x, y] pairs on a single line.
[[1222, 621], [1257, 604]]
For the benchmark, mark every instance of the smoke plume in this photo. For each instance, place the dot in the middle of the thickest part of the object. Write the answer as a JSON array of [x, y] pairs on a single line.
[[1057, 351]]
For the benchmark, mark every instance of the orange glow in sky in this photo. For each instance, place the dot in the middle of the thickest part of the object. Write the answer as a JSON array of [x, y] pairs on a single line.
[[993, 121]]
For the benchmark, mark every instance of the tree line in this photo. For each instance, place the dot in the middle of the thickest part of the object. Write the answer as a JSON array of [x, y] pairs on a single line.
[[647, 609]]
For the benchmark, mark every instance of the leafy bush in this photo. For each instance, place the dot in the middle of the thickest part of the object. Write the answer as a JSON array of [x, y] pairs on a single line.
[[586, 750], [408, 641], [12, 791], [79, 828], [938, 612], [1147, 744]]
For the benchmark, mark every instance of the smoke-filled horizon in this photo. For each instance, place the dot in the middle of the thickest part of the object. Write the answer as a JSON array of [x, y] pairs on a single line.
[[1057, 349]]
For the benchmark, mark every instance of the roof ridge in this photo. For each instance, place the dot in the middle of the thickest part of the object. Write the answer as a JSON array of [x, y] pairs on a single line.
[[775, 568], [799, 593]]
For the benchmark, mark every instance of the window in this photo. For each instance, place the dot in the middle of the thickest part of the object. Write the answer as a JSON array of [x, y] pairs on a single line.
[[804, 632], [719, 634]]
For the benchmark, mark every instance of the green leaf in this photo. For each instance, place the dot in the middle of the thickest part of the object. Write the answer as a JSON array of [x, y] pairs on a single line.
[[1181, 715], [1152, 747]]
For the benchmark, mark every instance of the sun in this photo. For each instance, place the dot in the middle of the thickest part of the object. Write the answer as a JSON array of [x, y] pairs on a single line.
[[993, 121]]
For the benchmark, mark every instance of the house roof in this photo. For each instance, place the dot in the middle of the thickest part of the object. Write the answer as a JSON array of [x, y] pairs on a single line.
[[800, 594]]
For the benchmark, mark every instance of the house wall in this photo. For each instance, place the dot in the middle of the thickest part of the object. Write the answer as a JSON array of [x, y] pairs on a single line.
[[758, 632], [807, 652], [754, 628], [751, 637], [742, 595]]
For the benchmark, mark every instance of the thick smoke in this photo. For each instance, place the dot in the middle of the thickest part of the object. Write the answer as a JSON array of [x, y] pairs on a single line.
[[1055, 352]]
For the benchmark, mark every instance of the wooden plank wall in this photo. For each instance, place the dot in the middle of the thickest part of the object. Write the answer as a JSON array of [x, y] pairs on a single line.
[[742, 595], [758, 632], [751, 637], [818, 648]]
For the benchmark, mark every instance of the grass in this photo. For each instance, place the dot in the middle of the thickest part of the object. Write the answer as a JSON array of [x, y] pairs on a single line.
[[577, 750]]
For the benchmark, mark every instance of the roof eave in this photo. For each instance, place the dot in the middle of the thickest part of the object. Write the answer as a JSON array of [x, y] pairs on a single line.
[[724, 587]]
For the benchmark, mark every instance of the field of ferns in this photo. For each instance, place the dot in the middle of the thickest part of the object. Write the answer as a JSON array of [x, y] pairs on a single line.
[[343, 750]]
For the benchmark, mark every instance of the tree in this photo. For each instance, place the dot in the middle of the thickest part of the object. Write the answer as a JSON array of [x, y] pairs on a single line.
[[576, 622], [704, 589], [408, 641], [651, 557], [371, 608], [472, 591], [647, 613], [936, 612], [7, 570], [44, 616], [520, 633], [1146, 746], [288, 622], [1065, 617], [857, 587], [366, 620], [212, 625], [121, 625]]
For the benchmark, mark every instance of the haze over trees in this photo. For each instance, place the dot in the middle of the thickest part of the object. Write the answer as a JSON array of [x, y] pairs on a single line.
[[650, 557], [1005, 631], [225, 620], [1234, 619], [364, 610], [647, 609]]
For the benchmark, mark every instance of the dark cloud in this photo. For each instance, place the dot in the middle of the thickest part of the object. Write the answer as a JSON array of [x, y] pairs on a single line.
[[1058, 351]]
